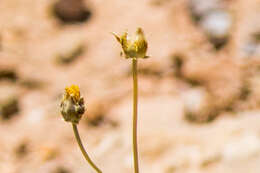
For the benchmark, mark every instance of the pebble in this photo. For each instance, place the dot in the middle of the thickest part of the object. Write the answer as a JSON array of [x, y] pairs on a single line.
[[197, 105], [71, 11], [252, 46], [200, 7], [9, 103], [8, 74], [217, 24], [70, 55]]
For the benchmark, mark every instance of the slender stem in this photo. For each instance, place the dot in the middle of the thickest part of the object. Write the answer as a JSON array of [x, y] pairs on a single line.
[[76, 133], [135, 100]]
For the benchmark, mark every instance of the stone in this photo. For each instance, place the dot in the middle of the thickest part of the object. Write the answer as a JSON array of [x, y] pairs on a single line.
[[217, 24], [9, 103], [71, 11], [198, 105]]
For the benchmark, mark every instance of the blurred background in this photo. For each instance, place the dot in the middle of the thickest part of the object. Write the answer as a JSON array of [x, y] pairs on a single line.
[[199, 107]]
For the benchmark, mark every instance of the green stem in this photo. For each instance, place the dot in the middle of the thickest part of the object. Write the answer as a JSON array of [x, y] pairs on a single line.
[[76, 133], [135, 100]]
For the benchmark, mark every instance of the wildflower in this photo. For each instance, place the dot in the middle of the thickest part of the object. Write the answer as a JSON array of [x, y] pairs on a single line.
[[134, 46], [72, 108], [72, 104]]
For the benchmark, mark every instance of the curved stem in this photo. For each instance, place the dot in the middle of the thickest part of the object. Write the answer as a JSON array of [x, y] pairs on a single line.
[[135, 100], [76, 133]]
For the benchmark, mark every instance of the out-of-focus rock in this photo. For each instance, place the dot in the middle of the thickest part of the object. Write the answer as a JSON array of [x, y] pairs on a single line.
[[252, 46], [71, 11], [8, 74], [217, 24], [70, 55], [198, 105], [178, 61], [9, 107], [212, 17], [222, 77], [9, 103], [241, 148], [200, 7]]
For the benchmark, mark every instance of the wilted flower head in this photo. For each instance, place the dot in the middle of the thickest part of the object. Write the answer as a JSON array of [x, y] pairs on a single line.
[[72, 104], [133, 46]]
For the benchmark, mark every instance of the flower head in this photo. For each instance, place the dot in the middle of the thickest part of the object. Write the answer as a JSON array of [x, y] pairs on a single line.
[[72, 104], [73, 91], [134, 46]]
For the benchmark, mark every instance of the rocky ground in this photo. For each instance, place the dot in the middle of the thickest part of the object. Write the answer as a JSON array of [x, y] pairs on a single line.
[[199, 91]]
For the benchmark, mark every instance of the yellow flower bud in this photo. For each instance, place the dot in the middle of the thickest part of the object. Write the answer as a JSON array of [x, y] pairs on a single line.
[[134, 46], [72, 104]]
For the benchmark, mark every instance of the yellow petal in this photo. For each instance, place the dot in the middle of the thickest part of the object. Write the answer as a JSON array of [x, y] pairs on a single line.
[[73, 91]]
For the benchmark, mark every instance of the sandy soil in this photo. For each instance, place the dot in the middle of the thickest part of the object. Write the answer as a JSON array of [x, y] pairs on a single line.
[[198, 108]]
